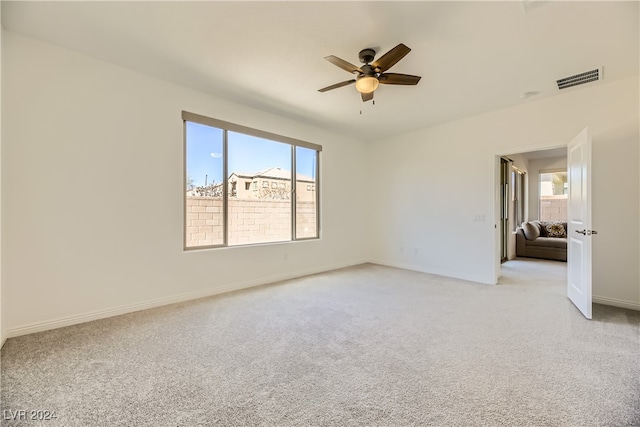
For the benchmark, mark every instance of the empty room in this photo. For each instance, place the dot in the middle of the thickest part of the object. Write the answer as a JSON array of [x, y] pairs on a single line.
[[320, 213]]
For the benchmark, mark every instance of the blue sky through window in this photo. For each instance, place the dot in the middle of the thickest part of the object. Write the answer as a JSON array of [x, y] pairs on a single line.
[[247, 154]]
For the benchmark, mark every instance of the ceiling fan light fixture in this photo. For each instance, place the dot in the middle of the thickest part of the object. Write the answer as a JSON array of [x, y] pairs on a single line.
[[367, 84], [368, 77]]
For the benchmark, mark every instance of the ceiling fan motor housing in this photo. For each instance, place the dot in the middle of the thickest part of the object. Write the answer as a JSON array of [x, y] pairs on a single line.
[[368, 70], [366, 55]]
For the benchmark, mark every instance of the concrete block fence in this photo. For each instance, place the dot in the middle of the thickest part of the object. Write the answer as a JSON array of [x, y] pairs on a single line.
[[553, 208], [250, 221]]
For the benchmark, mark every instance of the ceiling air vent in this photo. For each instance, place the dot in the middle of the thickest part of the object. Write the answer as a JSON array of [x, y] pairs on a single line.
[[580, 79]]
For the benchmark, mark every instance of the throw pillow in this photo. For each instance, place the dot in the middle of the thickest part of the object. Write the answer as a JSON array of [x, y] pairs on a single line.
[[543, 227], [531, 230], [556, 229]]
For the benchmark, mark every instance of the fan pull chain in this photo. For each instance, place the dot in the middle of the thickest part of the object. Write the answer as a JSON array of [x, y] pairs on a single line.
[[373, 102]]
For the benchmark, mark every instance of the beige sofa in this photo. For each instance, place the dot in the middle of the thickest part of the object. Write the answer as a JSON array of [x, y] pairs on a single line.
[[547, 240]]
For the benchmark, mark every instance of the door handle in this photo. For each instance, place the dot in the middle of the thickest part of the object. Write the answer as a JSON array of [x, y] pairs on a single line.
[[587, 232]]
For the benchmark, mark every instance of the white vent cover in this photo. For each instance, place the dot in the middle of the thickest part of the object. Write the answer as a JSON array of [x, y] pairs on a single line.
[[580, 79]]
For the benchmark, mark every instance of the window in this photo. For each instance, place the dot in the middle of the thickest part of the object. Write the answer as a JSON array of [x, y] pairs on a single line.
[[204, 204], [219, 213], [518, 195], [554, 190], [306, 202]]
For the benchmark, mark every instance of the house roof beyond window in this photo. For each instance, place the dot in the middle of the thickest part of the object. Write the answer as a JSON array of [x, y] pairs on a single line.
[[273, 173]]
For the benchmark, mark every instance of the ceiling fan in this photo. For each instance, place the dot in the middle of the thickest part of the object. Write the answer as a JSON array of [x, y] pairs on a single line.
[[370, 75]]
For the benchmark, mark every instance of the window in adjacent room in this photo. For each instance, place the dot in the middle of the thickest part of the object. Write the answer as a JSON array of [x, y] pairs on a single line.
[[220, 212], [518, 196], [553, 191]]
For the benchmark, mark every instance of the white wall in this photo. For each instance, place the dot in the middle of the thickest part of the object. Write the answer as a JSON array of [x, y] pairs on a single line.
[[438, 179], [535, 167], [92, 193], [616, 217]]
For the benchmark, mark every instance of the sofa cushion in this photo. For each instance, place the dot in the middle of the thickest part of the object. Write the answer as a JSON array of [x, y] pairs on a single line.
[[548, 242], [531, 230], [541, 226], [555, 229]]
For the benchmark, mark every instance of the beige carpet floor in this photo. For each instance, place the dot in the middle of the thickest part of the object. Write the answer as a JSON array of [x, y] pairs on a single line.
[[366, 345]]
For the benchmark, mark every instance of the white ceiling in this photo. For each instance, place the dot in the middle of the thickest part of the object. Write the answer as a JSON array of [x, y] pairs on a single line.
[[473, 57], [545, 154]]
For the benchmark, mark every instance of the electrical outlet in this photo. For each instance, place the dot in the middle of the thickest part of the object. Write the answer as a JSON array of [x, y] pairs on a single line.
[[479, 218]]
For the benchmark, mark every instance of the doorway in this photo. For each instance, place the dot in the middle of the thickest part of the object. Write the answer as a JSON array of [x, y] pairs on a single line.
[[577, 161], [518, 195]]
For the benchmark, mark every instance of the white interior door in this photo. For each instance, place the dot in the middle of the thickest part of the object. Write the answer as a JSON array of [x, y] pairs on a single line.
[[579, 222]]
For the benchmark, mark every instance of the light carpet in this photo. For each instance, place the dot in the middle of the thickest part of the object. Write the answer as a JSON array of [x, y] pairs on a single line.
[[365, 345]]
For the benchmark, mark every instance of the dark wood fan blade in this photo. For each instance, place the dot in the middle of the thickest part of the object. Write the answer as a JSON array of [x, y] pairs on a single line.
[[343, 64], [367, 96], [337, 85], [390, 58], [398, 79]]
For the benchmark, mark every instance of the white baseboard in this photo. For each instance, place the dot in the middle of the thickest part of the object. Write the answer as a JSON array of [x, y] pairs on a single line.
[[632, 305], [436, 271], [110, 312]]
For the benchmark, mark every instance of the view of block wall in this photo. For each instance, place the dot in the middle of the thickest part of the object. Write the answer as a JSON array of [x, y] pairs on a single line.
[[250, 221], [553, 208], [306, 220]]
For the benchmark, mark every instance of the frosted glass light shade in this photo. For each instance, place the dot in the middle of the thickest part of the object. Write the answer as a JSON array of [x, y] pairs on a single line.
[[367, 84]]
